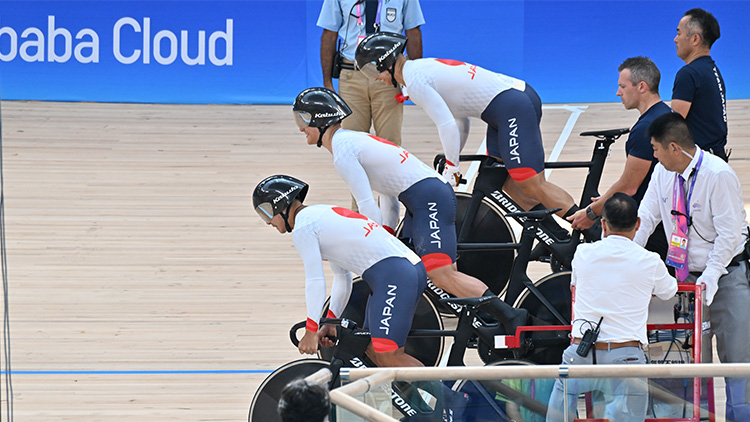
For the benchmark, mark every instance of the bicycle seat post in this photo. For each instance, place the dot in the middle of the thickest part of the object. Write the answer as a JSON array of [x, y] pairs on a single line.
[[604, 141]]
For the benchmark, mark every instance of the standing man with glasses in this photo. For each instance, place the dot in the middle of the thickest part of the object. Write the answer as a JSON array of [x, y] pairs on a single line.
[[698, 198], [699, 94], [349, 22]]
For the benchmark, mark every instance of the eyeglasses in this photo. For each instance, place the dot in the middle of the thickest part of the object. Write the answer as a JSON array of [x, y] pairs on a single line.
[[370, 70], [302, 118], [265, 211]]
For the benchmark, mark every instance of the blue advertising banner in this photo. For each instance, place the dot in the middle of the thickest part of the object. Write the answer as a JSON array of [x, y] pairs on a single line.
[[153, 51], [266, 51]]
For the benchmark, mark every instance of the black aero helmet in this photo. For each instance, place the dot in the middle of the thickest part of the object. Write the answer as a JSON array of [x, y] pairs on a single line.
[[379, 52], [275, 194], [320, 108]]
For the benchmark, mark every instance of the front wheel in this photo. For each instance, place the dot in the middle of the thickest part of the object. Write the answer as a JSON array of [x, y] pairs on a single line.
[[264, 406], [507, 399]]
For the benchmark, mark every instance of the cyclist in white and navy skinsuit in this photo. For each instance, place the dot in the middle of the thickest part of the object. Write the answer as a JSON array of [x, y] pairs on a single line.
[[451, 92], [369, 163], [352, 244]]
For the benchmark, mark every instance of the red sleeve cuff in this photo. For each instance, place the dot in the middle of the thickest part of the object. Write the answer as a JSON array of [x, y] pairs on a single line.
[[330, 314], [390, 230], [311, 325]]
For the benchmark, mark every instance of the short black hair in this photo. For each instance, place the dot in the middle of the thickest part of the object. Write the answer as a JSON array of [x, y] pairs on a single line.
[[671, 127], [302, 401], [621, 212], [704, 24], [642, 69]]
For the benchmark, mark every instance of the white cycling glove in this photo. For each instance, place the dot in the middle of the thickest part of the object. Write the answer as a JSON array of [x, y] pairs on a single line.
[[452, 174]]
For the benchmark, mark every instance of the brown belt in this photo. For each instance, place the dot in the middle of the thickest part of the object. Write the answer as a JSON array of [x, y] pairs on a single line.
[[609, 346]]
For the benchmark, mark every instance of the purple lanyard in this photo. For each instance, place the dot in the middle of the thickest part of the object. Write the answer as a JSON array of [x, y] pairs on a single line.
[[676, 191], [377, 17]]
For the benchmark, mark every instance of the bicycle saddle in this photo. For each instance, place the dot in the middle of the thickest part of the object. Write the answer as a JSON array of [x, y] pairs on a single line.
[[610, 133], [536, 215]]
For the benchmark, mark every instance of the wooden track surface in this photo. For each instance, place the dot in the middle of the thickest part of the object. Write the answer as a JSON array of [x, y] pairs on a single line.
[[135, 258]]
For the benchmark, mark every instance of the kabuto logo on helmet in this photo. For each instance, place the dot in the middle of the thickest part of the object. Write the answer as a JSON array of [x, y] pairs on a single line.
[[390, 51], [332, 114], [284, 195]]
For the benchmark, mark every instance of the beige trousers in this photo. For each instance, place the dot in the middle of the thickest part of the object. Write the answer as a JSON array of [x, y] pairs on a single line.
[[371, 102]]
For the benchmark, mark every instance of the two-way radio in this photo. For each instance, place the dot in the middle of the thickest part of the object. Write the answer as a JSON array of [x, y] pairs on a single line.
[[589, 339]]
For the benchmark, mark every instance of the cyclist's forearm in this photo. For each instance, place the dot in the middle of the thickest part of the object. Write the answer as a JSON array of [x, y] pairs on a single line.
[[635, 171]]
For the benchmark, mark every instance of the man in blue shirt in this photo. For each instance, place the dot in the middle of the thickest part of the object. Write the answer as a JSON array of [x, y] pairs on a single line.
[[699, 94], [638, 88], [352, 21]]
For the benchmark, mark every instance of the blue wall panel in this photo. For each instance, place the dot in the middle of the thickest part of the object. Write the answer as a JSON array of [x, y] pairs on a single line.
[[266, 51]]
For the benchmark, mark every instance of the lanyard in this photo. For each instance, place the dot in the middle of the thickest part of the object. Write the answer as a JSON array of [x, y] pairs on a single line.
[[377, 16], [694, 175]]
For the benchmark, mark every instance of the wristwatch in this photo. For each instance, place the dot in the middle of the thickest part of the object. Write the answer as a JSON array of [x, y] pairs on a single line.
[[590, 213]]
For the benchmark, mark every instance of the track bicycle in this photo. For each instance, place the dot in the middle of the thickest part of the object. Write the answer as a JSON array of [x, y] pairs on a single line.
[[481, 214]]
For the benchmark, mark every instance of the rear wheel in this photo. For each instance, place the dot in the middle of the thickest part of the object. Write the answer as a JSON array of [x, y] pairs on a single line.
[[427, 350], [264, 406], [548, 346]]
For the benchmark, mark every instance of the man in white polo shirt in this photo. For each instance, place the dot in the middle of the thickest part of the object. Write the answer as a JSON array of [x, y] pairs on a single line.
[[614, 280]]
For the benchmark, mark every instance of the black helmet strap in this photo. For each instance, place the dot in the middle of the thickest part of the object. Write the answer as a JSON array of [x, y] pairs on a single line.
[[392, 71], [285, 216], [320, 138]]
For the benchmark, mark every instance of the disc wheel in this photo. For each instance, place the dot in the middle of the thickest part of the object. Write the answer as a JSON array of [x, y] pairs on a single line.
[[556, 288], [507, 399], [264, 406], [427, 350]]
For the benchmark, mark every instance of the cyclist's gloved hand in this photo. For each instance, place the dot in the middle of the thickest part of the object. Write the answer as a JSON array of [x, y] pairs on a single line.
[[324, 333], [452, 174]]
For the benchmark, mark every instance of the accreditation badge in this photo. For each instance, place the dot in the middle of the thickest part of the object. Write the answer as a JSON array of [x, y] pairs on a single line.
[[677, 253]]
